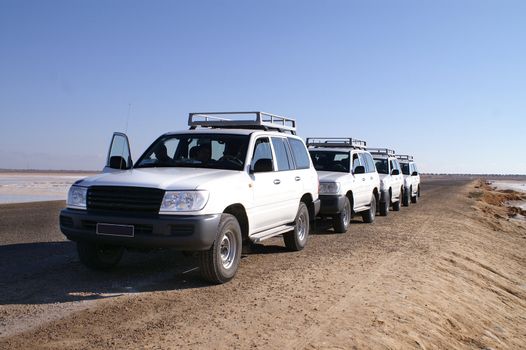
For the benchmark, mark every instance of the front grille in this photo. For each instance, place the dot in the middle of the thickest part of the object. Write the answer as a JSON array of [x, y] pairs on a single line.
[[122, 199]]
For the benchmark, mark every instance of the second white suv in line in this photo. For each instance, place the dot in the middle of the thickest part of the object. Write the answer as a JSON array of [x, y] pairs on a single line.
[[391, 179], [349, 182], [411, 179]]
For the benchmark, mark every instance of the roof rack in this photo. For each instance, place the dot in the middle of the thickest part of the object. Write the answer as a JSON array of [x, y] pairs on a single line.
[[335, 142], [404, 157], [258, 120], [382, 151]]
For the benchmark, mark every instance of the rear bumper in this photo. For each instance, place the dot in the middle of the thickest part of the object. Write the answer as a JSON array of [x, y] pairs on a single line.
[[161, 231], [331, 204]]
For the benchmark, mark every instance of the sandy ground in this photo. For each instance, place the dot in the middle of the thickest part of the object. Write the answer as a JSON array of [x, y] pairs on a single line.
[[448, 272]]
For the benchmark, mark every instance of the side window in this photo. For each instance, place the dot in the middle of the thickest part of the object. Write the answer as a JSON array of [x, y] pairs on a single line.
[[282, 156], [262, 150], [301, 156], [392, 166], [414, 167], [397, 165], [355, 161], [369, 163]]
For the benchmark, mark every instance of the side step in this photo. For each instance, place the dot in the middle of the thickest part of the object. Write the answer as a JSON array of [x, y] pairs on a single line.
[[261, 236]]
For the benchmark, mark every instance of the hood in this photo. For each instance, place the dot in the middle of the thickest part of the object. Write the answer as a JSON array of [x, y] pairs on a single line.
[[331, 176], [162, 178]]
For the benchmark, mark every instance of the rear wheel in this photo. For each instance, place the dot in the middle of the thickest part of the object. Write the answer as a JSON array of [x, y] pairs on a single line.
[[369, 215], [99, 256], [219, 264], [297, 239], [342, 221], [384, 207]]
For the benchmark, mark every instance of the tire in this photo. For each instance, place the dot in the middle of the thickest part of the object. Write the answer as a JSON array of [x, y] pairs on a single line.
[[342, 221], [99, 256], [297, 239], [406, 197], [369, 215], [396, 205], [384, 207], [414, 198], [418, 191], [219, 264]]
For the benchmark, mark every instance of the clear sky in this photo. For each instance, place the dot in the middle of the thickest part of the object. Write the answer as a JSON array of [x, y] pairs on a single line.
[[443, 80]]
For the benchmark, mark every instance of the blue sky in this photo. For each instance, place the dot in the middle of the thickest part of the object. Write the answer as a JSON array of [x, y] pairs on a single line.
[[443, 80]]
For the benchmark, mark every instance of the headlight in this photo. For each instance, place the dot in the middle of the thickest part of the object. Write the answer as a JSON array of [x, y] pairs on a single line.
[[176, 201], [77, 197], [329, 187]]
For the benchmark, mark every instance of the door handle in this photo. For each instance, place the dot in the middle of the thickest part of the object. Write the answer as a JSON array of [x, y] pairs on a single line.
[[363, 179], [277, 182], [297, 178]]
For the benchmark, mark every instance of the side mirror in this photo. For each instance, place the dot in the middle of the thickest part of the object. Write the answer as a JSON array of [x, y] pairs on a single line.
[[415, 173], [263, 165], [360, 169], [395, 172], [118, 162]]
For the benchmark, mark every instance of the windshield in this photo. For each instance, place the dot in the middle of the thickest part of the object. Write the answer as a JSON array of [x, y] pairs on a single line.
[[215, 151], [405, 168], [381, 165], [330, 161]]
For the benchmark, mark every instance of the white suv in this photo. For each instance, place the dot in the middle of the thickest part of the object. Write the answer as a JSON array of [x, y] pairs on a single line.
[[209, 189], [391, 179], [349, 182], [411, 179]]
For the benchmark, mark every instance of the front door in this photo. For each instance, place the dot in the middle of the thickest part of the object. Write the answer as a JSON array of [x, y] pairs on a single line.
[[119, 155]]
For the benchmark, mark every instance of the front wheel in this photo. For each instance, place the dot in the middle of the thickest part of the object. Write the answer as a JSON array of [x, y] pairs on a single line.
[[406, 197], [219, 263], [396, 205], [297, 239], [99, 256], [384, 207], [369, 215], [342, 220]]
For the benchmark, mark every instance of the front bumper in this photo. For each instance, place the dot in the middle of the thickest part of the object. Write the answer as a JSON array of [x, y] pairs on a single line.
[[161, 231], [331, 204]]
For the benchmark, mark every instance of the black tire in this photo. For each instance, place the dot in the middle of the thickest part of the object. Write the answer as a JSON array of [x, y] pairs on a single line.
[[406, 197], [418, 191], [99, 256], [297, 239], [396, 205], [219, 264], [384, 207], [369, 215], [342, 221], [414, 198]]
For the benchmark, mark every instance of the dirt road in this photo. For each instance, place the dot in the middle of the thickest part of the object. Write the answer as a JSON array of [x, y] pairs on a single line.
[[440, 274]]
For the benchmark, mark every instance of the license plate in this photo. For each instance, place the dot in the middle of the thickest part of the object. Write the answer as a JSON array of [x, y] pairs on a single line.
[[115, 230]]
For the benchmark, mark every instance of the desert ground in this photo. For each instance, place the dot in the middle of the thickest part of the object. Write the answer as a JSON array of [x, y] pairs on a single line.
[[446, 273]]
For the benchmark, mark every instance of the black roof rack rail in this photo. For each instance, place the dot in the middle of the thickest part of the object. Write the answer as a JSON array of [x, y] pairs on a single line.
[[258, 121], [335, 142], [404, 157], [381, 151]]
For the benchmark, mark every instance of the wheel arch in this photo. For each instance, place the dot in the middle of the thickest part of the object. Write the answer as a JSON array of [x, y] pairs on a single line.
[[239, 212]]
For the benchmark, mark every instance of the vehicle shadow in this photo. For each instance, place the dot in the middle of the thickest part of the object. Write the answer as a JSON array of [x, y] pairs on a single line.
[[324, 226], [50, 272]]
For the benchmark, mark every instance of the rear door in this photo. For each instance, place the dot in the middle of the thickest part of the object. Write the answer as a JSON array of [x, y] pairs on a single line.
[[119, 155]]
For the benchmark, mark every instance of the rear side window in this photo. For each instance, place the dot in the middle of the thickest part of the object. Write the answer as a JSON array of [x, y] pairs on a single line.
[[301, 156], [281, 151]]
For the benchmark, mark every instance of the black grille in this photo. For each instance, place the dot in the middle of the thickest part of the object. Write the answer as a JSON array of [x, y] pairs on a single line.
[[125, 199]]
